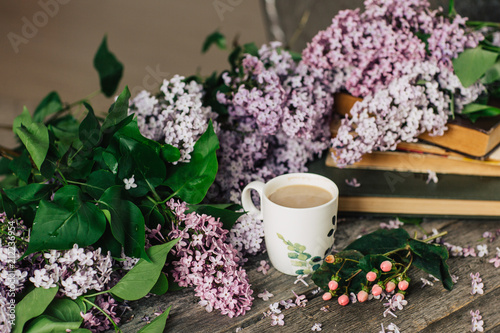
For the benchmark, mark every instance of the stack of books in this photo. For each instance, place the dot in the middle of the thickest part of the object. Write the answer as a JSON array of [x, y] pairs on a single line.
[[466, 160]]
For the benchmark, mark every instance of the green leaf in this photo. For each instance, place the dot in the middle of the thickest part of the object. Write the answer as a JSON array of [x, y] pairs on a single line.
[[109, 68], [31, 193], [32, 305], [409, 220], [492, 74], [380, 241], [190, 181], [227, 213], [161, 286], [141, 161], [60, 315], [471, 64], [126, 221], [89, 131], [151, 214], [324, 274], [431, 258], [118, 113], [66, 221], [251, 49], [7, 205], [21, 166], [476, 110], [296, 56], [35, 136], [139, 281], [214, 38], [170, 153], [98, 182], [371, 261], [49, 105], [157, 324]]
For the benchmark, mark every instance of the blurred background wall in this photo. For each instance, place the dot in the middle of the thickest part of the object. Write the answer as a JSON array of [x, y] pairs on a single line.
[[49, 44]]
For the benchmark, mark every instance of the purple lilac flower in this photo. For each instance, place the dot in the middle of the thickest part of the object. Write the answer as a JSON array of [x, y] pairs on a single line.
[[95, 320], [207, 262], [278, 119], [75, 271], [175, 116], [477, 322]]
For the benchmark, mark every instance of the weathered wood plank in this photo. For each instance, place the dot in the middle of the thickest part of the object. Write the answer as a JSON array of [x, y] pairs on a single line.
[[431, 309]]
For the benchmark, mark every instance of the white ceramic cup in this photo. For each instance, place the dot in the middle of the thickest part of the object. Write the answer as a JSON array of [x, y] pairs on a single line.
[[297, 239]]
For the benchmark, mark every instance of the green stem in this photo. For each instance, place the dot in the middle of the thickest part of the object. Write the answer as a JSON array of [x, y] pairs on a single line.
[[69, 106], [441, 234], [84, 184], [353, 275], [96, 294], [483, 24], [62, 176], [411, 260], [117, 329]]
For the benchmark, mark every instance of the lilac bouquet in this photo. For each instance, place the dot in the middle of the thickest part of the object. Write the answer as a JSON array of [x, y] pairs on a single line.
[[398, 56]]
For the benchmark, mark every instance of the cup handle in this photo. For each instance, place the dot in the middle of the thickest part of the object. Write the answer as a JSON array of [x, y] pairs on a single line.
[[246, 198]]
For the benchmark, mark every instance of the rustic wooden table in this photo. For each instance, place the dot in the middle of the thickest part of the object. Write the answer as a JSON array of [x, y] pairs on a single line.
[[429, 308]]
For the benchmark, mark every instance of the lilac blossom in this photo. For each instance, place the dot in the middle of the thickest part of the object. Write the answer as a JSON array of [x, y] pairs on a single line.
[[393, 224], [75, 271], [477, 322], [482, 250], [95, 320], [207, 262], [278, 119], [263, 267], [406, 84], [469, 251], [265, 295], [477, 285], [175, 116]]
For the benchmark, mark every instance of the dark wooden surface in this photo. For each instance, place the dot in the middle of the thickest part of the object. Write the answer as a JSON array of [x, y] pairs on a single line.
[[429, 309]]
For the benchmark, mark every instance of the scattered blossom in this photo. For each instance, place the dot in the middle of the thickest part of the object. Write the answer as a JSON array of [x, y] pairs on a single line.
[[300, 300], [316, 327], [353, 182], [300, 278], [495, 261], [287, 304], [456, 251], [469, 251], [392, 224], [482, 250], [477, 322], [263, 267], [265, 295], [277, 319], [426, 282], [431, 177], [274, 307], [477, 285]]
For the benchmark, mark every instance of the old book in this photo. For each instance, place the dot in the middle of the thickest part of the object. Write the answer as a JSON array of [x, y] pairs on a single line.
[[398, 193], [474, 139], [410, 161]]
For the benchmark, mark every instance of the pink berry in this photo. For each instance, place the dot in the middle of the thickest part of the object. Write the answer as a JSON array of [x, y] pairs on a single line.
[[332, 285], [343, 300], [386, 266], [403, 285], [371, 276], [327, 296], [390, 286], [362, 296], [376, 290]]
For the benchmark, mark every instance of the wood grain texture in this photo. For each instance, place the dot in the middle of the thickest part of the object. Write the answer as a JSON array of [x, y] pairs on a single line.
[[429, 309]]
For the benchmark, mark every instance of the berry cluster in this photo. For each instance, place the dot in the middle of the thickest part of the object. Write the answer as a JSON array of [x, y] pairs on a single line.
[[388, 278]]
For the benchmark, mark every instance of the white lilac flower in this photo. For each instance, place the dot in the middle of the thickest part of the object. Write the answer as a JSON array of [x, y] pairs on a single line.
[[176, 116], [482, 250], [129, 183], [352, 182], [431, 177], [316, 327], [275, 307], [477, 322], [277, 319], [300, 278], [426, 282], [265, 295]]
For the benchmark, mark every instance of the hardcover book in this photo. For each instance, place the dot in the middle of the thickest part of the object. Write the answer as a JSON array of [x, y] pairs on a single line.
[[398, 193]]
